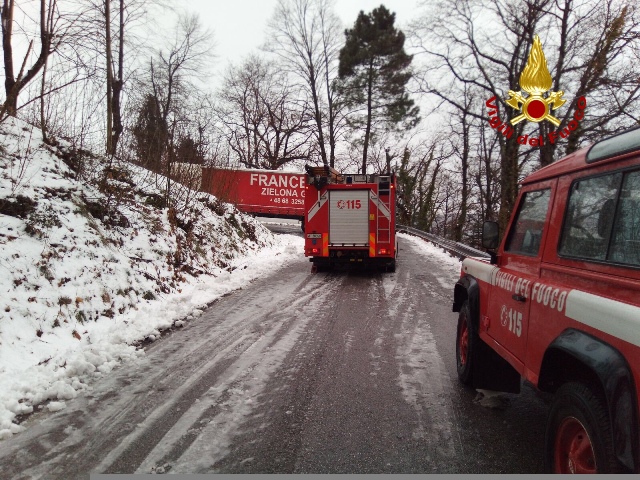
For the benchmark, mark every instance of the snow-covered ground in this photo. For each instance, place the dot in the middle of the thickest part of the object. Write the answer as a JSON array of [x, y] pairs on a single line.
[[93, 266], [90, 270]]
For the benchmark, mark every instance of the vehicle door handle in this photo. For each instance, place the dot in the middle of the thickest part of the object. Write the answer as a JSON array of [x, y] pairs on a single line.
[[519, 298]]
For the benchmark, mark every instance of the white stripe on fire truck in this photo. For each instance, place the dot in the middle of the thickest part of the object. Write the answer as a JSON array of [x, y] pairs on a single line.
[[479, 269], [618, 319], [318, 205], [382, 208]]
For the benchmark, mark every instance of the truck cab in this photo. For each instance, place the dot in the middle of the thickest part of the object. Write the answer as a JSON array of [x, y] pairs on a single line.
[[558, 305]]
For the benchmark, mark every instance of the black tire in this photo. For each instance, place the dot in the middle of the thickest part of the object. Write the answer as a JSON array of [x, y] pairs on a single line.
[[322, 267], [392, 267], [466, 345], [578, 437]]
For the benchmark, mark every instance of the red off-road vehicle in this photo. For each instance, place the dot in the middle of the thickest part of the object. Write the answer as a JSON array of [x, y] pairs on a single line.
[[558, 305]]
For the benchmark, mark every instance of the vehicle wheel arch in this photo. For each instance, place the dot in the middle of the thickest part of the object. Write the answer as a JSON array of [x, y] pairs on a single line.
[[467, 289], [578, 356]]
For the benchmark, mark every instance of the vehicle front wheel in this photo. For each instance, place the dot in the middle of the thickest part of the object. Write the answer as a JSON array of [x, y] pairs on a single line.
[[578, 437], [466, 345]]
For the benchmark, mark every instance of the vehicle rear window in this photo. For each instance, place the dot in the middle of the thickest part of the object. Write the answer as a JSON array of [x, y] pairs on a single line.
[[589, 217], [603, 219], [526, 233], [625, 242]]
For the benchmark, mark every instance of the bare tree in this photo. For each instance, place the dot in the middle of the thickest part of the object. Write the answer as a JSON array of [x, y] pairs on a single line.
[[77, 73], [460, 60], [306, 35], [266, 123], [115, 33], [597, 59], [171, 83], [463, 152], [419, 183], [51, 35], [482, 46], [487, 172]]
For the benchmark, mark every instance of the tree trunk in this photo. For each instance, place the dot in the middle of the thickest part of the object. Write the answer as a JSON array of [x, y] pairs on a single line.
[[462, 217], [107, 21], [10, 104], [331, 108], [317, 115], [116, 86], [367, 132], [509, 190], [43, 122]]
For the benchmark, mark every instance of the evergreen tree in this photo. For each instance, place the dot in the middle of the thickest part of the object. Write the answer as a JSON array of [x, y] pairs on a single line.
[[373, 74], [188, 151], [150, 134]]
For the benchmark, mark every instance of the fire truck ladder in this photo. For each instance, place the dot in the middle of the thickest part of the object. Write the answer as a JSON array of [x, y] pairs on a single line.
[[383, 192]]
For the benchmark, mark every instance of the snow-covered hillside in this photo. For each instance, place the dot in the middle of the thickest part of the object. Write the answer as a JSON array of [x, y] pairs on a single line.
[[92, 269]]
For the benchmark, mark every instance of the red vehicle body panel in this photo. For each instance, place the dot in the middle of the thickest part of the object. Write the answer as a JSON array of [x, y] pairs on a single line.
[[527, 301], [260, 192], [604, 283]]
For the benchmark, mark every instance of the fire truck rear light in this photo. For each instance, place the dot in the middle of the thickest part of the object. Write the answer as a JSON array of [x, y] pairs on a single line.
[[382, 251], [315, 250]]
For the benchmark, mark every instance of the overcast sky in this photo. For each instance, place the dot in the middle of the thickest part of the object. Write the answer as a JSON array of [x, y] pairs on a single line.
[[239, 25]]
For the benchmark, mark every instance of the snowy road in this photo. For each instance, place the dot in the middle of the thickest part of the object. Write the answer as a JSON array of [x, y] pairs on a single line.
[[341, 372]]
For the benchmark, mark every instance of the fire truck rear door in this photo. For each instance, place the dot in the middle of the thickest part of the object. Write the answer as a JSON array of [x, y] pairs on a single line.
[[349, 217]]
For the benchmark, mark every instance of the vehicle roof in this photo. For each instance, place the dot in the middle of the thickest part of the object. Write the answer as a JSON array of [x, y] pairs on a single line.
[[608, 150]]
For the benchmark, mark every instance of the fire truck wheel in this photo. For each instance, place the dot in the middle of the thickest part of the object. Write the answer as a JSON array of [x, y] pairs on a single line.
[[392, 267], [466, 344], [578, 437]]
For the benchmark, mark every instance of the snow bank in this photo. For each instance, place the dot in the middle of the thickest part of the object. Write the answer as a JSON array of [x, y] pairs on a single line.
[[88, 269]]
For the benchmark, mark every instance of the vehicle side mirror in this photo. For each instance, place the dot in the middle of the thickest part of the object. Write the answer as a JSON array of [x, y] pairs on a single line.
[[490, 235]]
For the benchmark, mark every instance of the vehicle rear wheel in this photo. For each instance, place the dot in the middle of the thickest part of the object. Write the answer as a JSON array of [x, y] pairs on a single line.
[[578, 437], [466, 345], [321, 267]]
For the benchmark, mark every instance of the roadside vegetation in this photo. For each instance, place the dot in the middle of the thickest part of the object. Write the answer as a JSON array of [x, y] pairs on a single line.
[[366, 96]]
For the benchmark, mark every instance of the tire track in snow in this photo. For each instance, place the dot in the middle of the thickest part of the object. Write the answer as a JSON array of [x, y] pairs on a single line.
[[351, 379], [364, 390], [137, 405], [213, 420], [423, 376]]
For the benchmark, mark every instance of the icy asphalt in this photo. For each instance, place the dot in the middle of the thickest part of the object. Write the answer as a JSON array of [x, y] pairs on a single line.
[[340, 372]]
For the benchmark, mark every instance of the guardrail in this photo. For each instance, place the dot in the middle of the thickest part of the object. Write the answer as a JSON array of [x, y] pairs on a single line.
[[455, 248]]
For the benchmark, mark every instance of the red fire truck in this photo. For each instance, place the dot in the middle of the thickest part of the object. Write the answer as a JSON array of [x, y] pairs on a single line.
[[350, 219], [264, 193]]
